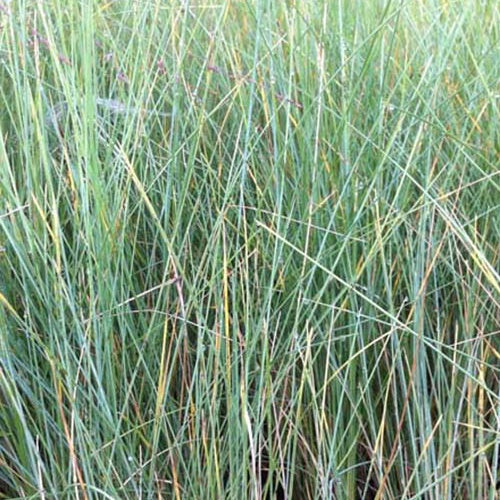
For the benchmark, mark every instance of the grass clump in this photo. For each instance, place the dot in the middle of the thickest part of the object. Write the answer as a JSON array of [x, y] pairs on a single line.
[[249, 250]]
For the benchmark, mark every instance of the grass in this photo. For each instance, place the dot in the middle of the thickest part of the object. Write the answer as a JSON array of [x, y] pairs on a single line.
[[256, 254]]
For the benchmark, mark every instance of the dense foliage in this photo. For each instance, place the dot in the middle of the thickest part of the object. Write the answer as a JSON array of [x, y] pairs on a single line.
[[249, 249]]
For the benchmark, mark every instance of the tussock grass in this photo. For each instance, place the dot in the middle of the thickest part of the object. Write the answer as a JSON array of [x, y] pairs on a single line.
[[276, 276]]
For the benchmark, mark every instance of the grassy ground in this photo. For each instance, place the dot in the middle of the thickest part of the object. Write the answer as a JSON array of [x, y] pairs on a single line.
[[249, 249]]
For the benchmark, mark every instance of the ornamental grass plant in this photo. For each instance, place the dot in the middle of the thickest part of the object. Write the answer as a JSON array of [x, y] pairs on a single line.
[[249, 249]]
